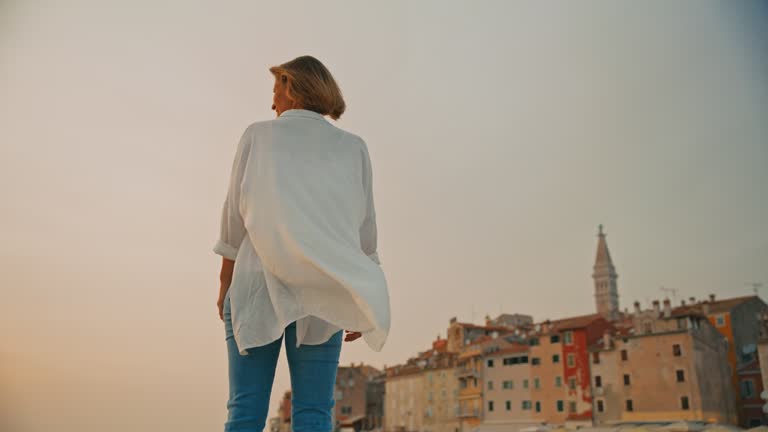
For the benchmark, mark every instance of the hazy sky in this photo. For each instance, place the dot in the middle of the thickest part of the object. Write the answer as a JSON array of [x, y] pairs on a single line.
[[501, 133]]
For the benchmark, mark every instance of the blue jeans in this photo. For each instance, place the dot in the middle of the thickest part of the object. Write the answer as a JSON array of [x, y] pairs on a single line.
[[313, 377]]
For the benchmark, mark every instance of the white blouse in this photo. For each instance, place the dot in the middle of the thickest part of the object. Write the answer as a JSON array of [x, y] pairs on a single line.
[[300, 224]]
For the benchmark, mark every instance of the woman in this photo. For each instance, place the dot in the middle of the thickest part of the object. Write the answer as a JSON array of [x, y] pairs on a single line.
[[298, 246]]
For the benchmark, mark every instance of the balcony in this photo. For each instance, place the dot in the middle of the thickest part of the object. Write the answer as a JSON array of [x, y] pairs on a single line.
[[466, 372], [468, 413]]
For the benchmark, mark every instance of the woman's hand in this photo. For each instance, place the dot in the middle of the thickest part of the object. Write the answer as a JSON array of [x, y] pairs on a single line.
[[220, 305], [351, 335]]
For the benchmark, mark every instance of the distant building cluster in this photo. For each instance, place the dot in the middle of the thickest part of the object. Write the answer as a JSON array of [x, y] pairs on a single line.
[[696, 360]]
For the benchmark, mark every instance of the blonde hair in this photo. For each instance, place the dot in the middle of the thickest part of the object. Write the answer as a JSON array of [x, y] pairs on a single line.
[[311, 85]]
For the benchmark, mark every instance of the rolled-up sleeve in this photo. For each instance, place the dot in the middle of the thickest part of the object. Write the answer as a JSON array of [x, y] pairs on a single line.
[[232, 229], [368, 229]]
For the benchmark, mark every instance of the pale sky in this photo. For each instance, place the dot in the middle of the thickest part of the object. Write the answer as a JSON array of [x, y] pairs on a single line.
[[501, 134]]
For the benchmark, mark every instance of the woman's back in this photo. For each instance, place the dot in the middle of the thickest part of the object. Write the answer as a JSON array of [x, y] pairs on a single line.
[[305, 199]]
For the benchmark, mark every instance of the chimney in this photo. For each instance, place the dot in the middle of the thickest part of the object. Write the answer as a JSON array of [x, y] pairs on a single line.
[[711, 297], [656, 306], [692, 299], [682, 302], [667, 308], [637, 307], [453, 320]]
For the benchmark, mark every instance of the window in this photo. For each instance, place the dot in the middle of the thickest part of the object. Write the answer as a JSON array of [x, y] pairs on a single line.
[[490, 405], [526, 405], [509, 405], [524, 359], [429, 396], [555, 358], [554, 339], [572, 383], [533, 342], [538, 406], [720, 320], [535, 361], [572, 407], [568, 337], [525, 383], [747, 388], [560, 406], [624, 355], [648, 328], [507, 384], [536, 383], [626, 379], [600, 406], [676, 351], [629, 405], [490, 362], [682, 323], [684, 403], [598, 381], [571, 360], [346, 410], [680, 375], [558, 381], [596, 358], [490, 385]]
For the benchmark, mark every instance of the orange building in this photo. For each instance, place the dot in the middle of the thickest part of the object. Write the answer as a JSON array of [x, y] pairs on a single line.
[[736, 319]]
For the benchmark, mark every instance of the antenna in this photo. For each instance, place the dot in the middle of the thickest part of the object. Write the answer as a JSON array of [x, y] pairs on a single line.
[[670, 290], [755, 286]]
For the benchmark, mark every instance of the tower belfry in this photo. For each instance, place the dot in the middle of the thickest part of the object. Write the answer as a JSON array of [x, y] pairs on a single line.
[[604, 275]]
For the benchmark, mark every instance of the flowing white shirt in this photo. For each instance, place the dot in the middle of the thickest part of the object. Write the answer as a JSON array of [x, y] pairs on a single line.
[[300, 224]]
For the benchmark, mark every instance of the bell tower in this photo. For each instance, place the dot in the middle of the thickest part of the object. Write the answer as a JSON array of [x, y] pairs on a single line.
[[604, 275]]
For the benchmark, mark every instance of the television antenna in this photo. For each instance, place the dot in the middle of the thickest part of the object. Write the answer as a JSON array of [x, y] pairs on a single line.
[[755, 286], [667, 291]]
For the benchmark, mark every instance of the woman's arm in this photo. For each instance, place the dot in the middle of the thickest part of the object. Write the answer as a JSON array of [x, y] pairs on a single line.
[[368, 230], [232, 230], [225, 279]]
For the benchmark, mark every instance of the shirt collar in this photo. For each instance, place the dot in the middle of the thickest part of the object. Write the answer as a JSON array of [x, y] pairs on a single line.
[[297, 112]]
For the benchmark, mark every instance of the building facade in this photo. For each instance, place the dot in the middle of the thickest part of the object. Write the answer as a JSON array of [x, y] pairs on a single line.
[[666, 367]]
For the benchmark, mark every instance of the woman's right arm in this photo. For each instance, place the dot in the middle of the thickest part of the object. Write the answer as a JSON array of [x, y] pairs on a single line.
[[232, 228]]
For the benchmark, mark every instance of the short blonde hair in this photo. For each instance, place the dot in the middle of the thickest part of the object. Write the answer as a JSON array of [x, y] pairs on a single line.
[[311, 85]]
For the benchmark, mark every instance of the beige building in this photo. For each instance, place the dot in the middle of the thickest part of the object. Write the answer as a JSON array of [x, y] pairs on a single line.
[[441, 392], [507, 396], [422, 395], [665, 366], [404, 399]]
